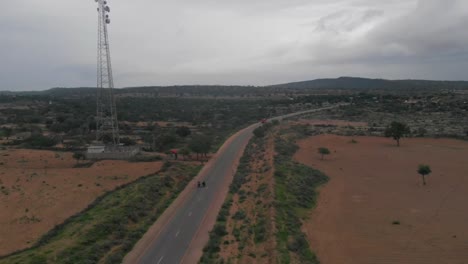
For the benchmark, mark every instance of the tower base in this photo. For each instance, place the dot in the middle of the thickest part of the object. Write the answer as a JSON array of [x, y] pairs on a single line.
[[110, 152]]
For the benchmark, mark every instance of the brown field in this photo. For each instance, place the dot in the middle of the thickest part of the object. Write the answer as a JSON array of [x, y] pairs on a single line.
[[374, 183], [40, 189]]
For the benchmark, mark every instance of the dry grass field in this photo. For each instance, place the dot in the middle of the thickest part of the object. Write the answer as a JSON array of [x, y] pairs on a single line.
[[376, 210]]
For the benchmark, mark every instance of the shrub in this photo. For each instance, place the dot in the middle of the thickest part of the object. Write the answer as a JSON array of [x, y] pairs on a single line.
[[38, 259], [260, 230], [239, 215], [183, 131], [259, 132], [323, 151], [142, 158], [219, 230], [127, 141], [40, 141], [262, 188]]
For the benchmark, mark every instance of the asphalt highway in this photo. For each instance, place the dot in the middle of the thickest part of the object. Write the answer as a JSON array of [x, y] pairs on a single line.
[[175, 239], [170, 246]]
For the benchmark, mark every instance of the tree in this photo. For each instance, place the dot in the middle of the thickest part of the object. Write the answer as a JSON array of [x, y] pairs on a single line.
[[6, 132], [185, 152], [78, 156], [107, 138], [424, 170], [40, 141], [323, 152], [201, 144], [397, 130], [127, 141], [183, 131], [259, 132]]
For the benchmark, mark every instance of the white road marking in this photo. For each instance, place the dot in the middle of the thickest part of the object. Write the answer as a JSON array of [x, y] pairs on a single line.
[[160, 259], [190, 214], [178, 232]]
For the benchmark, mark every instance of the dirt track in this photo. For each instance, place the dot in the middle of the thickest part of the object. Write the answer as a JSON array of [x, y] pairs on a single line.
[[40, 189], [374, 183]]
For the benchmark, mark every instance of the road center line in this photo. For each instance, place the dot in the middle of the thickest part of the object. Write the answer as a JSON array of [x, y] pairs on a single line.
[[177, 233], [160, 259]]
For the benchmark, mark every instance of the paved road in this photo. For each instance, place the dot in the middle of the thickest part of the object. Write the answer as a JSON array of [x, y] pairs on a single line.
[[174, 240]]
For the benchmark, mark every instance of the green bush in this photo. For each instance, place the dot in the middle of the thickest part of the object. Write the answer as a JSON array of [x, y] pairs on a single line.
[[220, 230], [259, 132], [38, 259], [40, 141], [260, 230], [239, 215]]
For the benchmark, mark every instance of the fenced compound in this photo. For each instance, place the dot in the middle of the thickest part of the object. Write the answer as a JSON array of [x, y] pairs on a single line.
[[112, 152]]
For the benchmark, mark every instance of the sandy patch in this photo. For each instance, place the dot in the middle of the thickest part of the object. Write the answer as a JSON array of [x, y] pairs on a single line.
[[374, 183]]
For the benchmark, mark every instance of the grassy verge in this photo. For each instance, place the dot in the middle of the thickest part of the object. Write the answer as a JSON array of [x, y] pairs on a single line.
[[295, 186], [108, 228], [212, 249]]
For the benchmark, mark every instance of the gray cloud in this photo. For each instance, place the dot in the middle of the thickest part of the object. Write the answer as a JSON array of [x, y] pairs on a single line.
[[49, 43]]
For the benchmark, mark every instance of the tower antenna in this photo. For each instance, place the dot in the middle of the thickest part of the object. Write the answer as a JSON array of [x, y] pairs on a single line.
[[107, 127]]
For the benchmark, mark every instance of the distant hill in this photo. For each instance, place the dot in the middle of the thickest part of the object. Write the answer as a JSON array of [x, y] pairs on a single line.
[[364, 83], [342, 83]]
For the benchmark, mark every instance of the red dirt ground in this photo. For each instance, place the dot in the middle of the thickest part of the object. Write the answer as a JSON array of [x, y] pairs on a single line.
[[373, 183], [40, 189]]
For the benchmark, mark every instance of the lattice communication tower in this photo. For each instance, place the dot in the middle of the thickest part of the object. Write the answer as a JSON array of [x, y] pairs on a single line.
[[107, 129]]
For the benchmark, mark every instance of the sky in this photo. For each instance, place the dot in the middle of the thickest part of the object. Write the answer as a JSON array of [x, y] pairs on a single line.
[[53, 43]]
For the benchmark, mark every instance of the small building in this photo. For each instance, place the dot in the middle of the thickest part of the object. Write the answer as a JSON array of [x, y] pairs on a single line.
[[99, 152], [94, 149]]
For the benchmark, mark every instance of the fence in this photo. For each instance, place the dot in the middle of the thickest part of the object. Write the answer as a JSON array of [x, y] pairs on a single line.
[[114, 153]]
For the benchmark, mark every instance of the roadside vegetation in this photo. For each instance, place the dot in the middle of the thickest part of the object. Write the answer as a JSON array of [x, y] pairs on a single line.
[[261, 218], [244, 226], [112, 224], [295, 194]]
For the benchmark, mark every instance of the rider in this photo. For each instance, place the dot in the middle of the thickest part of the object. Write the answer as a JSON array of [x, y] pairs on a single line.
[[198, 184], [204, 184]]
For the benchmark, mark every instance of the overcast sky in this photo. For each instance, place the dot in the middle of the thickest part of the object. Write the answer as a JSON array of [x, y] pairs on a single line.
[[52, 43]]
